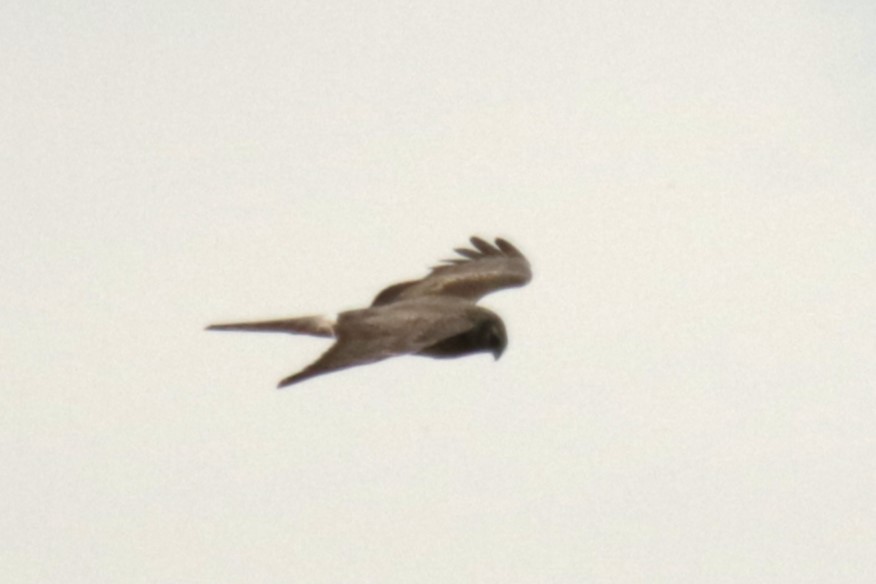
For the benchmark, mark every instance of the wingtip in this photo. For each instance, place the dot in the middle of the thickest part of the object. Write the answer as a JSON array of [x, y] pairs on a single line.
[[484, 246], [508, 248], [478, 242], [291, 380]]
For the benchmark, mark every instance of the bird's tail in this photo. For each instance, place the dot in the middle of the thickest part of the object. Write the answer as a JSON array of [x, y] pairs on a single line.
[[317, 326]]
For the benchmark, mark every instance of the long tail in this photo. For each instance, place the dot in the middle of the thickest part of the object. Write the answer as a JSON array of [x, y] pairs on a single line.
[[317, 326]]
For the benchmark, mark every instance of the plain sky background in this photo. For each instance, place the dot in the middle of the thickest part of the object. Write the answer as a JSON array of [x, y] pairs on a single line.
[[688, 394]]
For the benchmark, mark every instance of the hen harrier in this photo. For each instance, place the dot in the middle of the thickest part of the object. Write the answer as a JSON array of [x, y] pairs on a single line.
[[435, 316]]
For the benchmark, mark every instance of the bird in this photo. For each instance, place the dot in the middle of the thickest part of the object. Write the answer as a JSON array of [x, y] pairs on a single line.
[[435, 316]]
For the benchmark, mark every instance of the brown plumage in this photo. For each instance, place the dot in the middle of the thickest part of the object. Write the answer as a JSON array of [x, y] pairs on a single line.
[[435, 316]]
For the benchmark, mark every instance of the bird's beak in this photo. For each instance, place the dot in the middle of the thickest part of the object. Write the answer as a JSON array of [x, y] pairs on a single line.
[[497, 353]]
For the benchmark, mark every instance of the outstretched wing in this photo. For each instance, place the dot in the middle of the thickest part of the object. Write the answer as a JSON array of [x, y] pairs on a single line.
[[480, 271]]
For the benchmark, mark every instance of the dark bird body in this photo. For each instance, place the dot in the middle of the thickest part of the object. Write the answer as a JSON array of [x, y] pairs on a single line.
[[436, 316]]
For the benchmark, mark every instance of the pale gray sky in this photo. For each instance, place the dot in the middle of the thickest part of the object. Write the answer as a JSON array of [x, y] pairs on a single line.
[[688, 394]]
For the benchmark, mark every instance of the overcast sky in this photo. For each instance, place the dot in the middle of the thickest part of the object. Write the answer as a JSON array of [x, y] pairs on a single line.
[[688, 392]]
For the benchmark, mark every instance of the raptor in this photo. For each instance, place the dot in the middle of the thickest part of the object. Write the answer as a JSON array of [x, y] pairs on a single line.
[[436, 316]]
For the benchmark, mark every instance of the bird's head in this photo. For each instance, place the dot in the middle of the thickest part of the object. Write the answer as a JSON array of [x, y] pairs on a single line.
[[494, 339]]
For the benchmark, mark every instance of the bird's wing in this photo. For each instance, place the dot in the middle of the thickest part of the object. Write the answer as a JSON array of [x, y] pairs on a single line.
[[374, 334], [480, 271]]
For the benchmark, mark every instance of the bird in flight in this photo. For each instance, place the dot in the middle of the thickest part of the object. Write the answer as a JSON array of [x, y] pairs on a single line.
[[436, 316]]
